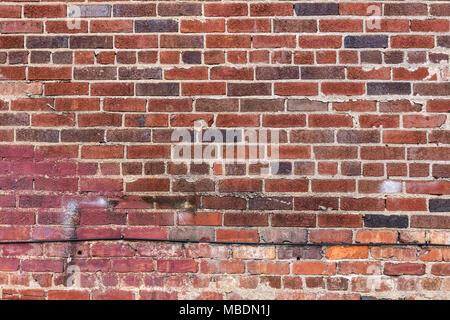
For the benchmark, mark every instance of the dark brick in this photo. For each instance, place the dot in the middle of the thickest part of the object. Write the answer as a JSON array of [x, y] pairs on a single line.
[[157, 89], [351, 168], [62, 57], [192, 57], [217, 105], [200, 168], [126, 57], [417, 57], [337, 283], [283, 235], [95, 73], [371, 57], [312, 136], [388, 88], [274, 73], [37, 42], [249, 89], [440, 10], [18, 57], [293, 220], [152, 168], [8, 42], [439, 205], [281, 168], [90, 11], [201, 185], [303, 168], [77, 135], [3, 56], [91, 42], [438, 57], [290, 25], [430, 222], [261, 105], [128, 135], [299, 253], [234, 169], [39, 201], [378, 41], [180, 9], [370, 298], [181, 41], [138, 73], [383, 221], [132, 168], [40, 57], [37, 135], [443, 41], [441, 170], [134, 10], [270, 203], [393, 57], [432, 89], [316, 9], [306, 105], [405, 9], [229, 135], [14, 119], [356, 136], [322, 73], [156, 26]]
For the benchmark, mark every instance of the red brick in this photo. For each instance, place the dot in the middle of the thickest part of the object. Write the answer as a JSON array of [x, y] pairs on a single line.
[[232, 235], [404, 269]]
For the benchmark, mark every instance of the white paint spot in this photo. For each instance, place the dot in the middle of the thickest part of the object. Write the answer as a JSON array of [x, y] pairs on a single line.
[[100, 202], [389, 186], [366, 68]]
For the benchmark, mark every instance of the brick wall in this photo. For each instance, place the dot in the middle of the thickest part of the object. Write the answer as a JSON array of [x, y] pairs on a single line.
[[357, 94]]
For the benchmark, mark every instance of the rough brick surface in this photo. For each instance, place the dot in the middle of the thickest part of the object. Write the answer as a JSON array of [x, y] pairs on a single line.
[[95, 97]]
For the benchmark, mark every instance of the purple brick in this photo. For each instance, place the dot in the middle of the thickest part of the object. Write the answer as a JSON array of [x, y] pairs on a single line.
[[156, 26], [91, 42], [192, 57], [274, 73], [135, 73], [388, 88], [157, 89], [323, 73], [134, 10], [316, 9], [37, 42], [378, 41]]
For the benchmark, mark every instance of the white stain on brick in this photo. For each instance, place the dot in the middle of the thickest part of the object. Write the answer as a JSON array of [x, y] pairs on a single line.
[[70, 213], [389, 186]]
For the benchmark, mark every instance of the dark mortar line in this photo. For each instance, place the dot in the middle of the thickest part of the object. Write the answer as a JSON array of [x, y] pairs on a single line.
[[304, 244]]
